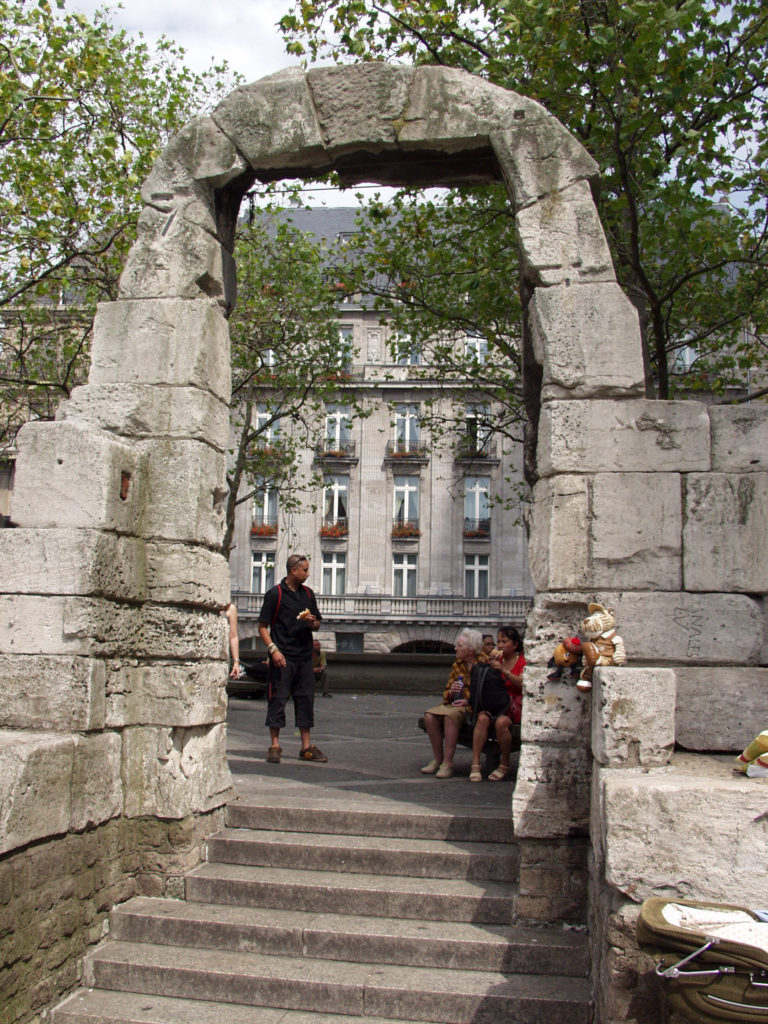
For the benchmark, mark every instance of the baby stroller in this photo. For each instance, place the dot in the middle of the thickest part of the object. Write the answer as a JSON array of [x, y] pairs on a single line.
[[718, 968]]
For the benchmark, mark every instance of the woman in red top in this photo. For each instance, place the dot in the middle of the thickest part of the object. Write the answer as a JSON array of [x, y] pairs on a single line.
[[498, 700]]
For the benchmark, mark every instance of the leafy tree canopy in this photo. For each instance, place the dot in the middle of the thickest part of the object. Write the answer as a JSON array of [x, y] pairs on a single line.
[[670, 99], [84, 112]]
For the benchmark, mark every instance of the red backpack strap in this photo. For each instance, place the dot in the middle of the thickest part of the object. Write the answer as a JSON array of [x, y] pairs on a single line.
[[277, 606]]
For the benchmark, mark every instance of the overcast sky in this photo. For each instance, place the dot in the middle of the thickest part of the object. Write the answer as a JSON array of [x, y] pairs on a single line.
[[241, 31]]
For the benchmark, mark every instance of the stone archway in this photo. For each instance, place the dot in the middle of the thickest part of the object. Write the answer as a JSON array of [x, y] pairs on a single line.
[[112, 615], [134, 465]]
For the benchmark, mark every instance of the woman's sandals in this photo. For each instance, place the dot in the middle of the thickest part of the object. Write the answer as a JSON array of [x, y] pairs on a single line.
[[475, 773], [499, 773]]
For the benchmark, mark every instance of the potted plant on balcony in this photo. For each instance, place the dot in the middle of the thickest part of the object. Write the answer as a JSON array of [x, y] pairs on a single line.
[[334, 531], [405, 530], [264, 529]]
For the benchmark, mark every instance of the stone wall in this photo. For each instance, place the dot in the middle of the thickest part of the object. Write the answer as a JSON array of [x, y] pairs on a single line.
[[55, 896]]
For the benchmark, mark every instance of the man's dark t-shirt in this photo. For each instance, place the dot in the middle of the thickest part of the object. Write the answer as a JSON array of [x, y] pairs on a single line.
[[292, 636]]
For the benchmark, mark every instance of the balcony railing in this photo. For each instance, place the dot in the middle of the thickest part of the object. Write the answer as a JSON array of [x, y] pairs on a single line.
[[384, 607], [406, 528], [330, 449], [468, 448], [480, 528], [406, 450], [334, 529], [264, 526]]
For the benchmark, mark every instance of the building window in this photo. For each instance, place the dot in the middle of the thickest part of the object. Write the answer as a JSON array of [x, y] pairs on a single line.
[[405, 351], [475, 348], [335, 502], [334, 573], [476, 575], [346, 346], [406, 429], [477, 435], [266, 425], [406, 495], [264, 512], [349, 643], [477, 514], [338, 426], [262, 572], [403, 575]]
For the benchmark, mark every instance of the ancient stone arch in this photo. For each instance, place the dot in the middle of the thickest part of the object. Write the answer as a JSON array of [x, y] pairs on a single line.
[[112, 646]]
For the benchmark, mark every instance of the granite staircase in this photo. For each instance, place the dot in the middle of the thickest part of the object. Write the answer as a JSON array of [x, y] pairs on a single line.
[[337, 915]]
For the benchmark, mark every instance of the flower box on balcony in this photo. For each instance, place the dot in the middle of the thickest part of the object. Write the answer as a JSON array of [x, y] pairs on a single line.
[[404, 530], [264, 529], [334, 531]]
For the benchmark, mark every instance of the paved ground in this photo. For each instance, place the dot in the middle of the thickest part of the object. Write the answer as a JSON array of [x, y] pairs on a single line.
[[374, 748]]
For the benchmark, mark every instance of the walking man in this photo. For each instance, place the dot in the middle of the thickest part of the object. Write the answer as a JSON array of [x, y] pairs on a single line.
[[287, 619]]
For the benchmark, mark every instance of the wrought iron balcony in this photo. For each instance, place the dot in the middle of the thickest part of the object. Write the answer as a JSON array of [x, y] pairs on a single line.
[[405, 529], [477, 528], [264, 526], [331, 449], [406, 450], [334, 529], [472, 448]]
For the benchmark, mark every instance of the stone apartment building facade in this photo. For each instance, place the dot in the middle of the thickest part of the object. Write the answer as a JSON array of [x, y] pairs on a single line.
[[409, 540]]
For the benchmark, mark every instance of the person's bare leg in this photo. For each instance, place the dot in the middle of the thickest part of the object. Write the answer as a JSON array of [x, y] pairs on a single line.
[[435, 733], [451, 739], [504, 738], [479, 736]]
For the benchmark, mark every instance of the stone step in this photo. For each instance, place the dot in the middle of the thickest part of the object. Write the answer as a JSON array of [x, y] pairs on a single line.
[[98, 1006], [466, 824], [321, 986], [431, 899], [418, 858], [465, 946]]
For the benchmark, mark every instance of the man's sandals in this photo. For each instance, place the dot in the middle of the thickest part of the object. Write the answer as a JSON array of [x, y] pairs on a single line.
[[312, 754]]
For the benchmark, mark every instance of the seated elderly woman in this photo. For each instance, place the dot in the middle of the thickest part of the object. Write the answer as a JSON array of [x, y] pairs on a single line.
[[496, 698], [444, 721]]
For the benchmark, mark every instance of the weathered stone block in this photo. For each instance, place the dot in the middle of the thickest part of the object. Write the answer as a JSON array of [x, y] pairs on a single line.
[[360, 106], [87, 478], [91, 627], [725, 539], [166, 693], [658, 628], [633, 718], [633, 436], [66, 561], [558, 549], [720, 707], [97, 792], [146, 410], [538, 156], [273, 123], [162, 341], [739, 438], [554, 713], [551, 797], [635, 531], [176, 258], [608, 530], [44, 692], [180, 574], [170, 773], [586, 337], [561, 240], [186, 485], [689, 830], [200, 154], [52, 783]]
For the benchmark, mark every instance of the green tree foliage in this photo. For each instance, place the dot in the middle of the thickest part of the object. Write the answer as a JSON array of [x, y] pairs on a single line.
[[288, 358], [670, 99], [84, 112]]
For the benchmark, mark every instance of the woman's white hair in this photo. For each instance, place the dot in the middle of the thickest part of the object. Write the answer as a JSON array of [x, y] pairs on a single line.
[[473, 638]]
